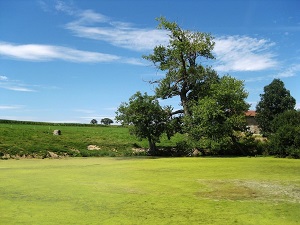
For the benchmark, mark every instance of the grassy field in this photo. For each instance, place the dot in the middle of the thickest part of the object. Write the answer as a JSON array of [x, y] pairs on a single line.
[[150, 191], [22, 139]]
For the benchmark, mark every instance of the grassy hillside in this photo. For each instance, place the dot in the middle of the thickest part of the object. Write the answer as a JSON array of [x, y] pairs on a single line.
[[38, 140], [131, 190]]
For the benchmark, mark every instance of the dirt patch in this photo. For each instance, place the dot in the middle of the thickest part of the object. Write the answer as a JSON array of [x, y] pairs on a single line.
[[249, 190]]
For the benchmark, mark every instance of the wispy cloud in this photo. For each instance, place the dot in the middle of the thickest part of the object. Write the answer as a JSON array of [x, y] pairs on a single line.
[[10, 107], [14, 85], [36, 52], [65, 7], [285, 73], [3, 78], [92, 25], [289, 72], [43, 53], [242, 53], [87, 111]]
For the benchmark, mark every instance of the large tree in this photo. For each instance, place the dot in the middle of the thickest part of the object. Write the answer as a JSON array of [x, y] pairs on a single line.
[[185, 76], [147, 119], [275, 100], [218, 119]]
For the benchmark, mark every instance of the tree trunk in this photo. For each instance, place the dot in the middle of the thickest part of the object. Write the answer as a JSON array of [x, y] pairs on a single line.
[[184, 103], [152, 146]]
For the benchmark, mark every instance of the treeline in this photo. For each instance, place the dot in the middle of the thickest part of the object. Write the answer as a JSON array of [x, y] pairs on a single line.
[[2, 121]]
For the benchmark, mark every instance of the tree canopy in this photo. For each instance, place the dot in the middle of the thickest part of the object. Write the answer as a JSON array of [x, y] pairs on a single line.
[[106, 121], [218, 117], [180, 59], [146, 117], [94, 121], [275, 100]]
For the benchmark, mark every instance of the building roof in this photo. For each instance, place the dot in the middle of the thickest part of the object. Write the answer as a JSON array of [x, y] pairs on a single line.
[[250, 113]]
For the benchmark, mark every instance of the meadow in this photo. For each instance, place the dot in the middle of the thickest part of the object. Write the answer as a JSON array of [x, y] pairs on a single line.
[[38, 139], [147, 190]]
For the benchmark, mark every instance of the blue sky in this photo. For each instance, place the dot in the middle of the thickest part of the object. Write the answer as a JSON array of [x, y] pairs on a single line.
[[75, 60]]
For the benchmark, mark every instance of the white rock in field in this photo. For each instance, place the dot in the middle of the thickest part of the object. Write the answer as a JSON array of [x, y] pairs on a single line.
[[93, 147], [56, 132]]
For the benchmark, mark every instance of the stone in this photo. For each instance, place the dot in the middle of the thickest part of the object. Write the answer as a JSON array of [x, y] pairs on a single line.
[[53, 155], [196, 152], [56, 132], [93, 147]]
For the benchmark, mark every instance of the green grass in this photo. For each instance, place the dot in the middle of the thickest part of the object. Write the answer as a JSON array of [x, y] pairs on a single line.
[[150, 191], [23, 139]]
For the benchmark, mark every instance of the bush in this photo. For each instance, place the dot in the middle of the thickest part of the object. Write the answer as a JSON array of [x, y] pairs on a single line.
[[285, 141], [183, 148]]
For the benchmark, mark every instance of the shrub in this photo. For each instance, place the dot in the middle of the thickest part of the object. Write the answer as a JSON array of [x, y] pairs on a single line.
[[285, 141]]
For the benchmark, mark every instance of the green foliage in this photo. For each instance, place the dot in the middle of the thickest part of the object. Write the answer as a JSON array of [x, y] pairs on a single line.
[[180, 61], [275, 100], [217, 119], [147, 119], [106, 121], [94, 121], [285, 140]]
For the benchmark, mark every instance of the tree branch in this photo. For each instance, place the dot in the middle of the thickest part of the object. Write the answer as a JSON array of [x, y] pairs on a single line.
[[177, 112]]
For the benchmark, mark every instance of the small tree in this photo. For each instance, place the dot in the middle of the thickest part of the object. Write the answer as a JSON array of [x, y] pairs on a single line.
[[147, 119], [217, 118], [94, 121], [106, 121], [275, 100]]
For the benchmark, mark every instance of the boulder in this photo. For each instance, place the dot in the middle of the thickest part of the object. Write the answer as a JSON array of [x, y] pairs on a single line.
[[53, 155], [196, 152], [56, 132]]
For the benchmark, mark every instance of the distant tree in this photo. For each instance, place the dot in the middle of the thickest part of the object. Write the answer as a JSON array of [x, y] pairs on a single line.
[[94, 121], [106, 121], [275, 100], [147, 119], [217, 119], [185, 76]]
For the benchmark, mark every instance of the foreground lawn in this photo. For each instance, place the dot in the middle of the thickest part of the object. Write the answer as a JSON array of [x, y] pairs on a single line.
[[150, 191]]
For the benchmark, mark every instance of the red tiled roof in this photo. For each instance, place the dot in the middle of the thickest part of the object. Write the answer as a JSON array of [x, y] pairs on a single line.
[[250, 113]]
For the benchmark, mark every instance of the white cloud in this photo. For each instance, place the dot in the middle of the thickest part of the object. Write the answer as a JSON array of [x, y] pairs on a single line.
[[3, 78], [42, 53], [242, 53], [37, 52], [99, 27], [10, 107], [88, 111], [14, 85], [286, 73], [64, 7], [18, 88], [289, 72]]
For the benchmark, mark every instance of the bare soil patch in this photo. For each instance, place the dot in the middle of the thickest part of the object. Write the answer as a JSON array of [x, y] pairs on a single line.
[[249, 190]]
